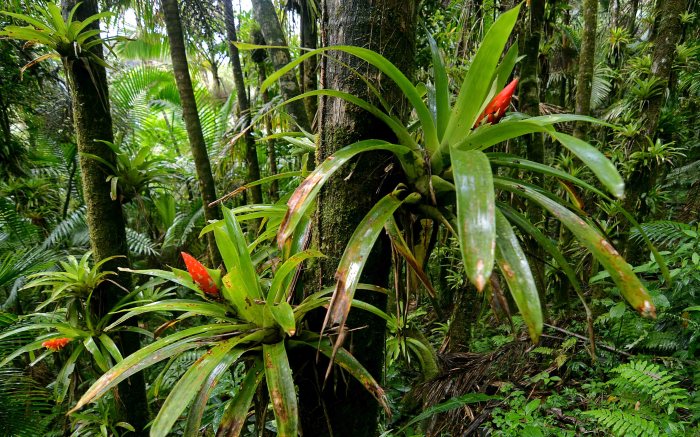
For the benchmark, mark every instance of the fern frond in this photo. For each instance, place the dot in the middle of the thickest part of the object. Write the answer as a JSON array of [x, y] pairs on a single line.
[[140, 244], [624, 423]]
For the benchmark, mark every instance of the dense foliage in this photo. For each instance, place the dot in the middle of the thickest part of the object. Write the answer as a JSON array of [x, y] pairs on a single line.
[[540, 258]]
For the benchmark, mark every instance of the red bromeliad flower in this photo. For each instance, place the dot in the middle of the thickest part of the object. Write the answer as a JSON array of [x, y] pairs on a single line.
[[497, 107], [56, 344], [200, 275]]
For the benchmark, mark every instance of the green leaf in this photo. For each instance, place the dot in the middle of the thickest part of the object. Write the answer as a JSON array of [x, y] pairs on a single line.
[[64, 375], [96, 353], [283, 314], [505, 68], [181, 279], [153, 353], [180, 305], [516, 271], [280, 385], [596, 161], [631, 288], [469, 398], [349, 363], [442, 89], [195, 379], [476, 209], [110, 347], [356, 253], [386, 67], [304, 196], [479, 78], [281, 280], [236, 412], [520, 221]]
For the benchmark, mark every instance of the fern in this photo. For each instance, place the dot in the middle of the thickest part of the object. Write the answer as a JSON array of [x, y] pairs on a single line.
[[624, 423], [652, 382], [73, 223], [140, 244], [645, 402], [663, 233]]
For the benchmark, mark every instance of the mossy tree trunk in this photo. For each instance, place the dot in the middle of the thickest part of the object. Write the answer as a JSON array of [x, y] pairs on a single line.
[[192, 123], [309, 40], [586, 64], [386, 26], [643, 179], [265, 15], [530, 104], [93, 123], [251, 153]]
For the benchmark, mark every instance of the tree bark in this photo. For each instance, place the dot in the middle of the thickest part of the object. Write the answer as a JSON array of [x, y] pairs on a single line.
[[265, 15], [643, 179], [349, 195], [93, 123], [586, 64], [632, 18], [530, 104], [309, 40], [274, 191], [192, 123], [251, 153]]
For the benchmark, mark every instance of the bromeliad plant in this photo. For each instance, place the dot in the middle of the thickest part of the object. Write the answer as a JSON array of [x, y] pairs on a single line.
[[72, 324], [452, 183], [250, 319], [66, 38]]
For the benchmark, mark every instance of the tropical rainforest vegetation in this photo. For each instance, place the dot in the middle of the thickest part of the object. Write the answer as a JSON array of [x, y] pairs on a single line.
[[349, 217]]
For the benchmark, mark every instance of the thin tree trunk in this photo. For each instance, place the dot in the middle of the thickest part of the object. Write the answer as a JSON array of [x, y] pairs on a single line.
[[265, 15], [643, 179], [387, 26], [632, 18], [586, 64], [251, 153], [93, 123], [192, 123], [530, 104], [309, 37], [271, 152]]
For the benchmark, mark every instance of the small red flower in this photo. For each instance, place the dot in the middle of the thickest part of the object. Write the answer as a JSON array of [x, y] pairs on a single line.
[[200, 275], [56, 344], [498, 106]]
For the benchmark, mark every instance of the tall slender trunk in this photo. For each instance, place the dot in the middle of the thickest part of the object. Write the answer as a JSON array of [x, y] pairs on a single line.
[[93, 123], [387, 26], [632, 17], [586, 64], [192, 123], [530, 104], [271, 152], [265, 15], [309, 37], [643, 179], [251, 153]]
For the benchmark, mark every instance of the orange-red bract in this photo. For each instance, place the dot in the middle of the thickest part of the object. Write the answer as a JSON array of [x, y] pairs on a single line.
[[56, 344], [200, 275], [497, 107]]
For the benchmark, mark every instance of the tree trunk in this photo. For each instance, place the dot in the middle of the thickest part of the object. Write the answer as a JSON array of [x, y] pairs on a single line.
[[387, 26], [530, 104], [309, 37], [265, 15], [93, 122], [632, 18], [189, 112], [271, 152], [251, 153], [643, 179], [586, 64]]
